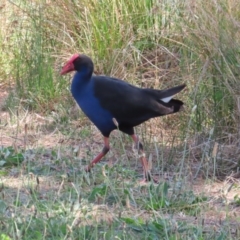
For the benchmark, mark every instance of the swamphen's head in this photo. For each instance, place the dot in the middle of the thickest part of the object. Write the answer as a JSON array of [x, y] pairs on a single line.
[[79, 63]]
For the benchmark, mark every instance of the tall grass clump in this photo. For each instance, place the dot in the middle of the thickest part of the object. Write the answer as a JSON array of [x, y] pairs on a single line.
[[211, 32], [107, 30], [149, 43], [29, 51]]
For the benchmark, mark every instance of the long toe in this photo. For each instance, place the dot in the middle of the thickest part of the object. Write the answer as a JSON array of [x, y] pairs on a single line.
[[148, 177], [88, 169]]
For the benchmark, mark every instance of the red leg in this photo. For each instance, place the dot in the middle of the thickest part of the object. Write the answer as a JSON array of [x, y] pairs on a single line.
[[146, 170], [100, 155]]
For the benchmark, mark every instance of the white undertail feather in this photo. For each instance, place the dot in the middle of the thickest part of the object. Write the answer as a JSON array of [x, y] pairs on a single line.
[[166, 99]]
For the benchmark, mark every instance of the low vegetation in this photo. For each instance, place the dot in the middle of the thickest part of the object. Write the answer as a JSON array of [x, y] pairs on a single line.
[[45, 141]]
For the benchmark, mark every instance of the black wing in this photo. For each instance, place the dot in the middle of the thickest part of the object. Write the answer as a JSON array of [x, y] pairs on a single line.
[[131, 105]]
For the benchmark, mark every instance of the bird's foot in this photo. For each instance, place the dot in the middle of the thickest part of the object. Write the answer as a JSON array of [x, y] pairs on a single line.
[[145, 180], [87, 169], [148, 178]]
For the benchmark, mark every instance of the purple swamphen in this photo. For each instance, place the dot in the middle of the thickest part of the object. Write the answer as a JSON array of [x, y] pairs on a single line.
[[111, 103]]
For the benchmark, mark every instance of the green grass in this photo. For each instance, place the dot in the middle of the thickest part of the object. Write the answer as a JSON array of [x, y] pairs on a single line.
[[48, 195], [43, 203], [45, 193], [174, 42]]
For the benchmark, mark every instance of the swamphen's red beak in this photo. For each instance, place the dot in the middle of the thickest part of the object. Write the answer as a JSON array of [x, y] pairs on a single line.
[[69, 66]]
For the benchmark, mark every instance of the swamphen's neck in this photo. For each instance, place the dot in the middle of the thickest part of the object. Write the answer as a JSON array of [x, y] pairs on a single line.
[[83, 90]]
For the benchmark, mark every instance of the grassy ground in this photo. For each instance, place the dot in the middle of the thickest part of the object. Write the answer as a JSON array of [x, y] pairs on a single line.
[[45, 141], [45, 193]]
